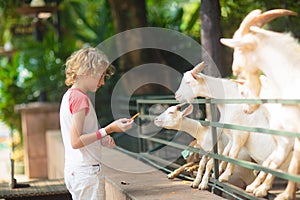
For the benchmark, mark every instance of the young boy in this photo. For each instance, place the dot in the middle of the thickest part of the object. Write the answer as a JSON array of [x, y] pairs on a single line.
[[85, 72]]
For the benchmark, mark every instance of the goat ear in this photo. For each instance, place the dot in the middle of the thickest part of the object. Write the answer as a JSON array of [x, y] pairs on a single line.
[[188, 110], [238, 42], [178, 106], [198, 68]]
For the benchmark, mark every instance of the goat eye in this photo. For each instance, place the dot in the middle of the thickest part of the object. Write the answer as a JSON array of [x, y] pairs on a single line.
[[171, 112]]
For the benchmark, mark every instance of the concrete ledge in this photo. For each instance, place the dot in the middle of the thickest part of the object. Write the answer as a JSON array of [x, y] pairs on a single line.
[[128, 178], [55, 154]]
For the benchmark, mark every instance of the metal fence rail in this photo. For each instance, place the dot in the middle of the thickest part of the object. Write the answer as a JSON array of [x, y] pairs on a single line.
[[214, 124]]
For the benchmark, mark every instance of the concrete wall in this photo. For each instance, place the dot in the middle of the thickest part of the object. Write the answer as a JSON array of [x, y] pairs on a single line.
[[127, 178], [55, 154]]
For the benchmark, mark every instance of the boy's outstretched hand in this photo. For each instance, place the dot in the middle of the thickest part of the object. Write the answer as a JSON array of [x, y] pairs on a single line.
[[120, 125]]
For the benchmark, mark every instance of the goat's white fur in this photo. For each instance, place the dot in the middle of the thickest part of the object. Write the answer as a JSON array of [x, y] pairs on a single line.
[[172, 118], [277, 56], [259, 145]]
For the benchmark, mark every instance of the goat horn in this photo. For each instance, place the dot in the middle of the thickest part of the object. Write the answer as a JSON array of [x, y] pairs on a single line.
[[198, 68], [268, 16], [246, 23], [256, 18]]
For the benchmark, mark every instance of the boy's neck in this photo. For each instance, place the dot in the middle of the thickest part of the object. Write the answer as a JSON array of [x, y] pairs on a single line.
[[80, 87]]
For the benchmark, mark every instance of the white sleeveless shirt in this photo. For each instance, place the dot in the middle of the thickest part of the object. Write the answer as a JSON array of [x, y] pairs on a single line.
[[73, 101]]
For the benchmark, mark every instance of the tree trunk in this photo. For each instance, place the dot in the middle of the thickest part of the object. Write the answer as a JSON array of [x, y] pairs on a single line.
[[130, 14], [211, 33]]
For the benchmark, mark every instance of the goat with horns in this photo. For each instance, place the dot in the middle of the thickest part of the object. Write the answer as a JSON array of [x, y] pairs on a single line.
[[277, 56]]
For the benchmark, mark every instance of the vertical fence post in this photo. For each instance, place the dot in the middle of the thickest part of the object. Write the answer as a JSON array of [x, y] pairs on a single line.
[[214, 118], [140, 140]]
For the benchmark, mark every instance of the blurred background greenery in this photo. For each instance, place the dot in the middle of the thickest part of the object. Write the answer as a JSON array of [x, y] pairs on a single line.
[[34, 48]]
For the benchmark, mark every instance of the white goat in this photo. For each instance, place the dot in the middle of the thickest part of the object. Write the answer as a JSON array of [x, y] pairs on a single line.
[[283, 144], [277, 56], [259, 146], [173, 118]]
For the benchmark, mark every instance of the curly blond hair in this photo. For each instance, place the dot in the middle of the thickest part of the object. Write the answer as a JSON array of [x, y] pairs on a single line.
[[87, 61]]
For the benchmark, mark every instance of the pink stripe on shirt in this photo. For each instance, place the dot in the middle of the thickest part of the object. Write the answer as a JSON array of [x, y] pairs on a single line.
[[78, 100]]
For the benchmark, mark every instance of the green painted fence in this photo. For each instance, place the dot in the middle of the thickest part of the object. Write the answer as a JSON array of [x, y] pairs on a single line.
[[236, 193]]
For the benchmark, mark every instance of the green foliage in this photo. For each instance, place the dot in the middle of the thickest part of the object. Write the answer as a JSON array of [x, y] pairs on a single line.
[[38, 66], [164, 14], [87, 22], [10, 93], [37, 69], [180, 15], [191, 20]]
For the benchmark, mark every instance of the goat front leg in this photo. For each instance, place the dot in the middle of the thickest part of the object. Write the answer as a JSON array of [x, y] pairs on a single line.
[[294, 168], [239, 139], [225, 152], [261, 176], [281, 154], [176, 172], [191, 169], [204, 183], [259, 179], [198, 178], [263, 189]]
